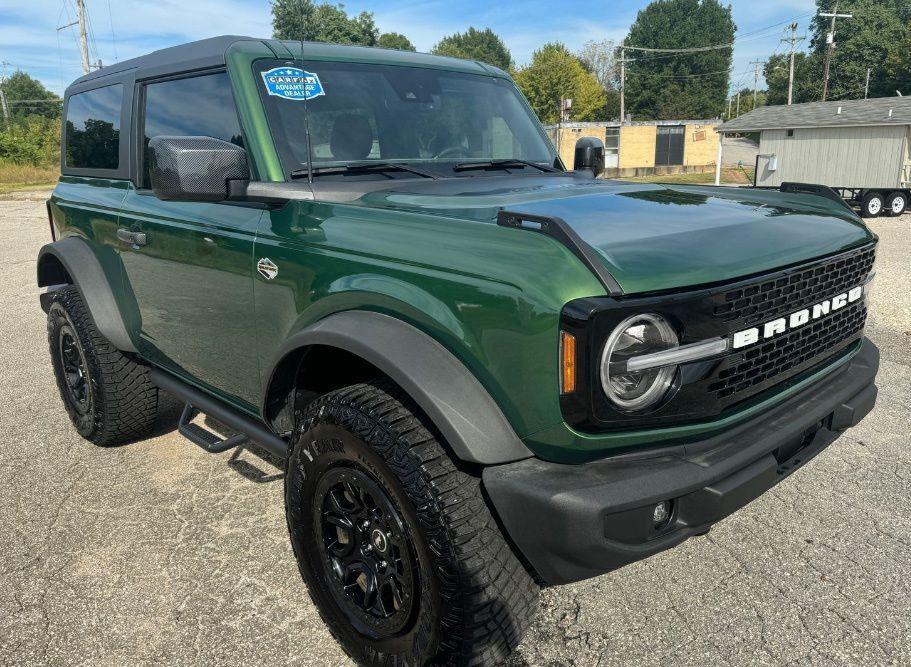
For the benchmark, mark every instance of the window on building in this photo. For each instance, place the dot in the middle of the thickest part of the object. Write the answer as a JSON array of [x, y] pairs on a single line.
[[92, 132], [790, 133], [193, 106], [612, 147]]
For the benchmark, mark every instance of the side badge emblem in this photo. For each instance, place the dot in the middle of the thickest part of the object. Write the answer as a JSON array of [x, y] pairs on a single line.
[[267, 268]]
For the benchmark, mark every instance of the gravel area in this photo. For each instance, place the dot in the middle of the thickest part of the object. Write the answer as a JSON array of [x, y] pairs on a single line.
[[157, 553], [739, 150]]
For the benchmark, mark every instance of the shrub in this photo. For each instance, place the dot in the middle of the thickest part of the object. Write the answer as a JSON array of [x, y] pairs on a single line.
[[32, 140]]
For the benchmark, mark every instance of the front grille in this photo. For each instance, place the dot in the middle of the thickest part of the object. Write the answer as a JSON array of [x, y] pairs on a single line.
[[712, 388], [766, 300], [790, 352]]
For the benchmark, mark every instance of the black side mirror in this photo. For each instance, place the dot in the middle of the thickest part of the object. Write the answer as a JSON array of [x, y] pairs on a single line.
[[590, 155], [195, 168]]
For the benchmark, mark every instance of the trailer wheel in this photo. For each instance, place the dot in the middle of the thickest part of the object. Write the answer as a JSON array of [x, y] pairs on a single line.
[[871, 205], [897, 203]]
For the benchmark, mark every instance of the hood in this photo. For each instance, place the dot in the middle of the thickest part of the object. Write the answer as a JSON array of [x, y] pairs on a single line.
[[653, 237]]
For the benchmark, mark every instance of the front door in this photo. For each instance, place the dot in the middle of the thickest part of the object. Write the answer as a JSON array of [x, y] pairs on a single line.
[[192, 277]]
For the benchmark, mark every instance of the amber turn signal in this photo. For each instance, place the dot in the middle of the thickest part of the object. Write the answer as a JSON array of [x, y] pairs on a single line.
[[567, 363]]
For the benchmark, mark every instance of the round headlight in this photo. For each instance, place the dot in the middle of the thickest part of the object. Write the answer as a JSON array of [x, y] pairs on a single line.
[[634, 336]]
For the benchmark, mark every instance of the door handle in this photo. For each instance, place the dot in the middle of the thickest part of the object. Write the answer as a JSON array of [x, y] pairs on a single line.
[[134, 238]]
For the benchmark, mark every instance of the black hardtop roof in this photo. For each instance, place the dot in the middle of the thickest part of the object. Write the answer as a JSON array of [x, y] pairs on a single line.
[[211, 53], [211, 49]]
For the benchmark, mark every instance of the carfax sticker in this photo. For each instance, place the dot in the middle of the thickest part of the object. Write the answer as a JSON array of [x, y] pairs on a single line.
[[292, 83]]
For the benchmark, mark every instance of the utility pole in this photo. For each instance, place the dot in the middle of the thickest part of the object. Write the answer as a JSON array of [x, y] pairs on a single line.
[[738, 103], [792, 40], [867, 85], [755, 64], [3, 104], [730, 101], [622, 85], [83, 40], [830, 45]]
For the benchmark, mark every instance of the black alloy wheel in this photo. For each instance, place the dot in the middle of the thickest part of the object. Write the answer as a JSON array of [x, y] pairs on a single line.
[[75, 370], [108, 396], [400, 553], [366, 556]]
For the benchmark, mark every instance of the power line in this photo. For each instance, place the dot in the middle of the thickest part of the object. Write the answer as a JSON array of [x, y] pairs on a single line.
[[714, 47], [692, 76], [694, 49], [113, 38]]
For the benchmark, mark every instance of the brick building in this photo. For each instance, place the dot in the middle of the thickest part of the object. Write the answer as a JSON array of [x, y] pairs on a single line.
[[640, 148]]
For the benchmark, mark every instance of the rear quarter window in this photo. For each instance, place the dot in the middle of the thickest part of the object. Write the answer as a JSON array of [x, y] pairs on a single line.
[[92, 129]]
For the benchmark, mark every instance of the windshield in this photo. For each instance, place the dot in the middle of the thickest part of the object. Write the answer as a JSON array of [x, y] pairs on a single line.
[[433, 119]]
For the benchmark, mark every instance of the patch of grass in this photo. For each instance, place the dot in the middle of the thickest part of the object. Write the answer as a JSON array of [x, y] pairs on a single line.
[[26, 176], [729, 175]]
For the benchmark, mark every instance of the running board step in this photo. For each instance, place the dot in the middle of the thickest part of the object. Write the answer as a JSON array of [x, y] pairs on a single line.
[[203, 437], [251, 428]]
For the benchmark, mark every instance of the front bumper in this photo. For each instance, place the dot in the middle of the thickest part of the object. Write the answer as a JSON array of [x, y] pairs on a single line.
[[573, 522]]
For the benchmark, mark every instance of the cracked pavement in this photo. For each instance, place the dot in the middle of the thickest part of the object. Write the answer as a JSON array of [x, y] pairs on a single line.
[[157, 552]]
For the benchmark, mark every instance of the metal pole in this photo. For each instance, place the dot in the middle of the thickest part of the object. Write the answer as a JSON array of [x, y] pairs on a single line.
[[83, 39], [622, 85], [560, 127], [718, 159]]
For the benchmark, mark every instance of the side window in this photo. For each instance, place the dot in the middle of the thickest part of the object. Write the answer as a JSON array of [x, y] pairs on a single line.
[[93, 128], [193, 106]]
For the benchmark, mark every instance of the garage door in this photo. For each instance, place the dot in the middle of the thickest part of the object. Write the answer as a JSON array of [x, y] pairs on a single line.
[[669, 145]]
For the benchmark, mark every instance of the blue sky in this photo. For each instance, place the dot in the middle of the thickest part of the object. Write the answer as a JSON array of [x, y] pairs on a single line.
[[122, 29]]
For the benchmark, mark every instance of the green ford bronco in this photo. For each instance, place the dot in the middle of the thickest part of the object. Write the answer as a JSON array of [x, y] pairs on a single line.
[[486, 372]]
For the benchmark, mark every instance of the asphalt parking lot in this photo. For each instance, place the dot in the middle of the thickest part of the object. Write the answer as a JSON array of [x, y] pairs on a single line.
[[157, 553]]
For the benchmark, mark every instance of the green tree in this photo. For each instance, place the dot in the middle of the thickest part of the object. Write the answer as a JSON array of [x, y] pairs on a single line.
[[302, 19], [807, 78], [31, 140], [870, 39], [898, 67], [27, 97], [691, 85], [483, 45], [395, 40], [553, 73], [746, 100]]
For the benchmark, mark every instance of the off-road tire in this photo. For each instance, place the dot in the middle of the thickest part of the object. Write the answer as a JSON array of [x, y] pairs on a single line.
[[872, 205], [475, 599], [897, 203], [122, 402]]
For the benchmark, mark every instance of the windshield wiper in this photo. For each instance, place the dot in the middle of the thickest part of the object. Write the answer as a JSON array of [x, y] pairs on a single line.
[[362, 168], [509, 163]]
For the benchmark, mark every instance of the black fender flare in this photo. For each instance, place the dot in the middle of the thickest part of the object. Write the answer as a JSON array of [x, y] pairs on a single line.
[[87, 274], [453, 399]]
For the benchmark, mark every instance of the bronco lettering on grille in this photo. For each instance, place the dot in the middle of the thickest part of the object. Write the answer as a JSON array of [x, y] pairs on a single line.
[[797, 319]]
